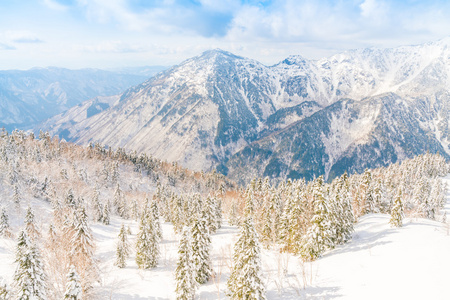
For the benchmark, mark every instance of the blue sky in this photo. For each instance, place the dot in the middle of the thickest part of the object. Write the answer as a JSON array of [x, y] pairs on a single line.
[[119, 33]]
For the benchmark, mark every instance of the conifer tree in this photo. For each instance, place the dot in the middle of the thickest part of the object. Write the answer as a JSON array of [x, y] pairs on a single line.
[[185, 270], [147, 249], [16, 196], [201, 243], [155, 214], [245, 281], [318, 236], [123, 248], [106, 213], [73, 285], [29, 277], [30, 224], [82, 250], [97, 206], [209, 214], [5, 293], [397, 211], [4, 225]]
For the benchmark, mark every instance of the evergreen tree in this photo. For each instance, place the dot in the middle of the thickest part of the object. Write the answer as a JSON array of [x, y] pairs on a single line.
[[106, 214], [73, 285], [82, 250], [245, 279], [147, 249], [155, 214], [29, 277], [123, 248], [397, 211], [5, 293], [318, 236], [30, 225], [97, 206], [16, 196], [201, 243], [4, 225], [185, 270]]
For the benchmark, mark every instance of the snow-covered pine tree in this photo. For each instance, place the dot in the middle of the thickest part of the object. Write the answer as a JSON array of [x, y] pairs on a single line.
[[245, 281], [318, 236], [106, 214], [73, 285], [30, 224], [97, 206], [147, 249], [123, 248], [155, 214], [29, 277], [16, 196], [201, 243], [209, 214], [70, 199], [185, 270], [82, 250], [5, 293], [397, 211], [233, 214], [4, 225]]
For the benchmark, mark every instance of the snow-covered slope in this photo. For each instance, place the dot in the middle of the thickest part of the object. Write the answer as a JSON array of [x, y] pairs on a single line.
[[28, 97], [203, 111], [380, 262]]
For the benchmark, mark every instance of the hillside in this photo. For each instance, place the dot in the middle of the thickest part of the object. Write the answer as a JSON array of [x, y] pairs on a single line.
[[298, 118], [58, 180]]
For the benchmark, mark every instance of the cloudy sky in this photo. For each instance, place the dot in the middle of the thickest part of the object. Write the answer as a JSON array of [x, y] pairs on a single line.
[[118, 33]]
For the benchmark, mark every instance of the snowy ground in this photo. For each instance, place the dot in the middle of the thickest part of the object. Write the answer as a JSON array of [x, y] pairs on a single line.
[[380, 262]]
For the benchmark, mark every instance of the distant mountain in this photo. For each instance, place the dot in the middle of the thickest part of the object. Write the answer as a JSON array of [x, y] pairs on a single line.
[[146, 71], [28, 97], [298, 118]]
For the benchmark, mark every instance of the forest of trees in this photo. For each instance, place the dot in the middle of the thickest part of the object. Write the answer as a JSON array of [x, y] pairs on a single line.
[[88, 185]]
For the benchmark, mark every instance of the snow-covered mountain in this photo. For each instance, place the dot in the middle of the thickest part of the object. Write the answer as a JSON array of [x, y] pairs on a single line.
[[28, 97], [361, 108]]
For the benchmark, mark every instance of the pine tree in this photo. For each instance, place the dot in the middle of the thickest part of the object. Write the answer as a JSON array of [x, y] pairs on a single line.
[[245, 280], [155, 214], [97, 206], [318, 236], [106, 214], [185, 271], [82, 250], [30, 225], [201, 243], [4, 225], [16, 196], [397, 211], [123, 248], [209, 212], [29, 277], [147, 249], [5, 293], [73, 285]]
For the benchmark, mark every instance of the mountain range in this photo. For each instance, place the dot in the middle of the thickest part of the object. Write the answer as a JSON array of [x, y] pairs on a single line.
[[299, 118], [28, 97]]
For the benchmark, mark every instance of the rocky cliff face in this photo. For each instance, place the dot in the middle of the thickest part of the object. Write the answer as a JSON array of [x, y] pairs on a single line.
[[298, 118]]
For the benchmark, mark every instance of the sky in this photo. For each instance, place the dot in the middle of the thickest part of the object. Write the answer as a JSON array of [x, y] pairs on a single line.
[[127, 33]]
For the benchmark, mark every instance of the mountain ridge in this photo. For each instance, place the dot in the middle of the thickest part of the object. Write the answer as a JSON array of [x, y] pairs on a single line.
[[206, 110]]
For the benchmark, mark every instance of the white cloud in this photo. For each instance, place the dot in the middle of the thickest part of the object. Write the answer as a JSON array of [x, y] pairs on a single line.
[[55, 5]]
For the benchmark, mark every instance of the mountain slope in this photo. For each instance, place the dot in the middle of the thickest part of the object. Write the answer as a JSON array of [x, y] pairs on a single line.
[[28, 97], [205, 110]]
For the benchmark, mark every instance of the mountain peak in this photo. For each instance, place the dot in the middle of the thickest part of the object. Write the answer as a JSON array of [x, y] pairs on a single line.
[[218, 53], [293, 60]]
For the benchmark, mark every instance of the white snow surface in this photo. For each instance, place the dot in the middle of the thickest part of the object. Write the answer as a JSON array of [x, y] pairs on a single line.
[[380, 262]]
